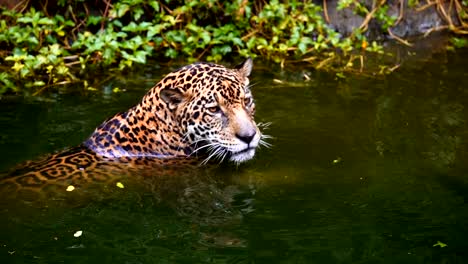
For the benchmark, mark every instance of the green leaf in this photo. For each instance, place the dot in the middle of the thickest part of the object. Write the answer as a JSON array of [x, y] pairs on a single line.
[[62, 70], [238, 42], [24, 20], [119, 10], [137, 13], [169, 19], [5, 78], [171, 53], [155, 5], [17, 66], [459, 42], [39, 83], [440, 244], [340, 75], [154, 30], [132, 27], [140, 57], [302, 47], [225, 49], [117, 23], [46, 21], [93, 20]]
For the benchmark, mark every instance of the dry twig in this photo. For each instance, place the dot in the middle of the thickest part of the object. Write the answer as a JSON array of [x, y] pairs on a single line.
[[405, 42], [400, 16], [325, 11]]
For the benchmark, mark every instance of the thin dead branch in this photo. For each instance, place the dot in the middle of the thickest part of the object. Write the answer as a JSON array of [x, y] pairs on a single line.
[[325, 11], [405, 42]]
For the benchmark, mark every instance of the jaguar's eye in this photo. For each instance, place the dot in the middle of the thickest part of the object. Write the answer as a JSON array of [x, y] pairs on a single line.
[[214, 109], [248, 101]]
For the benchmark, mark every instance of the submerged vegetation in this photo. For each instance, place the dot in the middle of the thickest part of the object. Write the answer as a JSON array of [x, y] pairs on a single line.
[[55, 44]]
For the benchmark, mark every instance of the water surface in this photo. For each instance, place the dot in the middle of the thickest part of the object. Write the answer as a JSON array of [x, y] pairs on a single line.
[[363, 170]]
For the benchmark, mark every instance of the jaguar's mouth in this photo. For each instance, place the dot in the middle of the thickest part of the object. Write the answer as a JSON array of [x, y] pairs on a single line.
[[216, 151], [243, 155]]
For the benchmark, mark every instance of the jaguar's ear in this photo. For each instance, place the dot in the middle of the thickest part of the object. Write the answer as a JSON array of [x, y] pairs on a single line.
[[245, 68], [172, 97]]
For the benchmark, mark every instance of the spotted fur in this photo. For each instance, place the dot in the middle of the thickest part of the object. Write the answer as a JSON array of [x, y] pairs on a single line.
[[201, 110]]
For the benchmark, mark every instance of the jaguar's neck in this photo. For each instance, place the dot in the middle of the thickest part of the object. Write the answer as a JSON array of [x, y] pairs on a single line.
[[145, 130]]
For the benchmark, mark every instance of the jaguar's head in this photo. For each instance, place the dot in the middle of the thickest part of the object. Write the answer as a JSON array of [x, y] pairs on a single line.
[[214, 108]]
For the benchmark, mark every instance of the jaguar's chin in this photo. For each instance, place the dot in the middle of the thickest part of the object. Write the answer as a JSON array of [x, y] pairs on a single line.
[[243, 155]]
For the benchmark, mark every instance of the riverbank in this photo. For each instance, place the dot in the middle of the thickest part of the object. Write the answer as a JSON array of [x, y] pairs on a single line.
[[58, 43]]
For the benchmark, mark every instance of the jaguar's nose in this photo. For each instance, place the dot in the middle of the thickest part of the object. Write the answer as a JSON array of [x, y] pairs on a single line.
[[247, 137]]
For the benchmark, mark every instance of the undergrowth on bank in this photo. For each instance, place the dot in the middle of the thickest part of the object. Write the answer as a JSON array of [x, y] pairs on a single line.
[[56, 44]]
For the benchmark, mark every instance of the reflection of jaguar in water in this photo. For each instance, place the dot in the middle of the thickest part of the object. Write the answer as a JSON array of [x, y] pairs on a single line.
[[200, 112]]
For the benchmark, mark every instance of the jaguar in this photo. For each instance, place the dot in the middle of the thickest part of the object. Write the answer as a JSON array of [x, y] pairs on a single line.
[[196, 114]]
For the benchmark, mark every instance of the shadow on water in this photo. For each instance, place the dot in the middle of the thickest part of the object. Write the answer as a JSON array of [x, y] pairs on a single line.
[[363, 170]]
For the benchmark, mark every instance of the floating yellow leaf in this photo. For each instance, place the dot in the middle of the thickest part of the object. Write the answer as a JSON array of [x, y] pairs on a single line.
[[70, 188], [120, 185]]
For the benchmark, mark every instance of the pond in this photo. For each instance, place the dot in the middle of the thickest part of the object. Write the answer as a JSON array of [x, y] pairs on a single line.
[[362, 170]]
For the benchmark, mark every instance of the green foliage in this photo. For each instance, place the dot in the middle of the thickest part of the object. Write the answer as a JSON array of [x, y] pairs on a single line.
[[357, 7], [291, 31], [42, 50], [459, 42], [386, 20], [381, 11]]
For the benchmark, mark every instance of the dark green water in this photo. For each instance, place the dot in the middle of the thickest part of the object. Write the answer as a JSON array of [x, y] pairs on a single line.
[[363, 170]]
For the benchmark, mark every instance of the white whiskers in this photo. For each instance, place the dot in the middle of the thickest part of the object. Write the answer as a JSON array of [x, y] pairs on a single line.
[[263, 143], [217, 152], [263, 138], [203, 146], [264, 126]]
